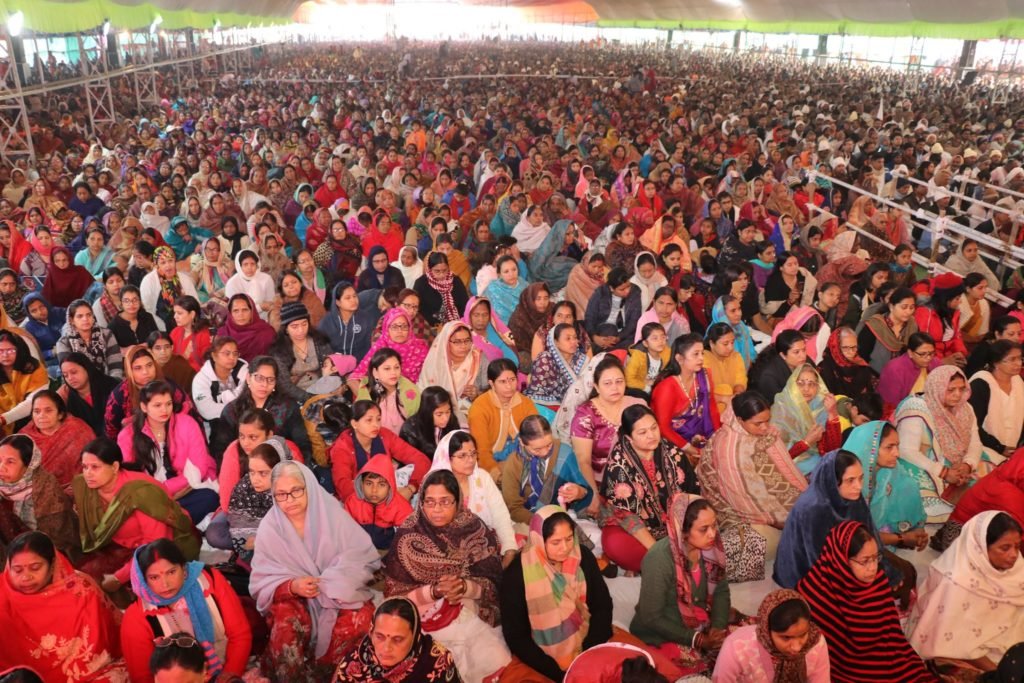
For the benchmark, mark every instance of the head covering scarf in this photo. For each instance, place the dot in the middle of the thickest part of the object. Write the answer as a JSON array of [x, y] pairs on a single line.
[[253, 339], [526, 319], [859, 620], [891, 492], [333, 548], [492, 345], [795, 416], [557, 597], [413, 350], [950, 428], [184, 248], [170, 289], [744, 343], [19, 493], [477, 501], [842, 375], [64, 285], [713, 558], [410, 273], [795, 319], [422, 553], [439, 370], [192, 592], [20, 247], [968, 609], [213, 275], [817, 510], [371, 278], [788, 668], [427, 660], [505, 297], [581, 285], [551, 374], [648, 285], [66, 631], [547, 264], [443, 286]]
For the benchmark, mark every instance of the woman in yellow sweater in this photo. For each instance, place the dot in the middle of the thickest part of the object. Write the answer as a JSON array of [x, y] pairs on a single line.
[[495, 416], [725, 364]]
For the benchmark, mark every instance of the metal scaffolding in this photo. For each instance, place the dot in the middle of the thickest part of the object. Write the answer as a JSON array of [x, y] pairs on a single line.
[[97, 81], [15, 128]]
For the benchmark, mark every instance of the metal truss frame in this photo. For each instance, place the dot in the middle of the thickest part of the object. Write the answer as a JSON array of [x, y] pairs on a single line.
[[98, 84], [15, 128]]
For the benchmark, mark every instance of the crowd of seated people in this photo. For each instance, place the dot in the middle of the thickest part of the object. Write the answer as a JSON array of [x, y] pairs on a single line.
[[428, 367]]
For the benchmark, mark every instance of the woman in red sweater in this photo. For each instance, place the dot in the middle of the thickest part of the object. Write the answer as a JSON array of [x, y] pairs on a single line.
[[176, 595], [683, 399], [940, 319], [365, 439], [191, 337]]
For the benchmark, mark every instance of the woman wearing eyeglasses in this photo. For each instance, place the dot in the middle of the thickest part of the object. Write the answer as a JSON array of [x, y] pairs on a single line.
[[456, 365], [835, 495], [309, 577], [181, 597], [260, 392], [21, 375], [845, 373], [446, 561], [807, 417], [851, 603], [58, 622]]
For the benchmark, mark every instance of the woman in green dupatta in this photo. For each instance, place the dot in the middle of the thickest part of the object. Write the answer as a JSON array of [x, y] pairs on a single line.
[[889, 486], [118, 511]]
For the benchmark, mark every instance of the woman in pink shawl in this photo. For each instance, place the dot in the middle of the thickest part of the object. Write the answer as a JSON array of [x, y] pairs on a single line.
[[397, 334], [490, 334]]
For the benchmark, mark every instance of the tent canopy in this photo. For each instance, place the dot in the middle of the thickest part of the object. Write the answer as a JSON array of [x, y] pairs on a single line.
[[932, 18]]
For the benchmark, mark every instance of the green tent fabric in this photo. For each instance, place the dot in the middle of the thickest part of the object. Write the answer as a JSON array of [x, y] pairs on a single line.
[[1009, 28], [53, 16]]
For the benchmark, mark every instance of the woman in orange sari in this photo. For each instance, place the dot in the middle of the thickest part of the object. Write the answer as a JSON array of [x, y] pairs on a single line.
[[59, 623]]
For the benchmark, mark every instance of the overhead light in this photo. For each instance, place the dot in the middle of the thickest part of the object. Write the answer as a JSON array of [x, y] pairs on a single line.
[[156, 22], [216, 24], [730, 3], [106, 27], [15, 24]]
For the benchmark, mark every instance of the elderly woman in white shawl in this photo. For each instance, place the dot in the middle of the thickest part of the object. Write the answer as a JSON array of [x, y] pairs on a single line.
[[410, 264], [309, 576], [531, 230], [457, 365]]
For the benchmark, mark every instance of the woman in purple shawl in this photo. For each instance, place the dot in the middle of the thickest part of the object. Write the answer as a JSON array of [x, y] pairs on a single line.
[[310, 576], [905, 374]]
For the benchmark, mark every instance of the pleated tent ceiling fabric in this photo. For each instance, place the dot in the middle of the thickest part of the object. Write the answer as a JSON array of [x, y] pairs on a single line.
[[979, 19]]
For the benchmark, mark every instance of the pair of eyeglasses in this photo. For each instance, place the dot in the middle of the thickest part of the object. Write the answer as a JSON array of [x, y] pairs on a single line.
[[444, 503], [178, 641], [262, 379], [294, 494]]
